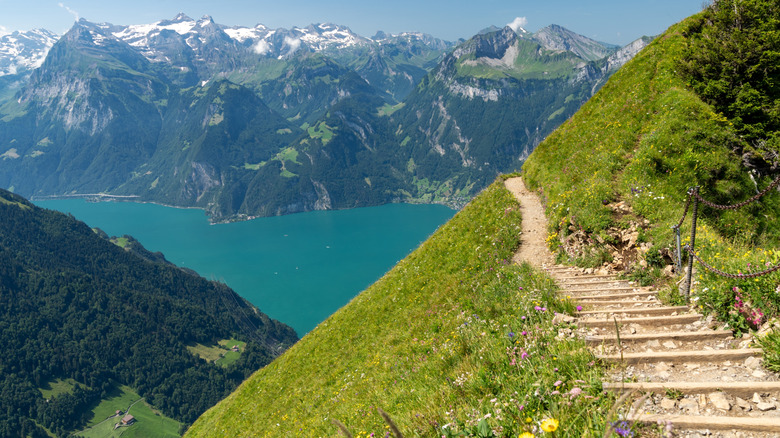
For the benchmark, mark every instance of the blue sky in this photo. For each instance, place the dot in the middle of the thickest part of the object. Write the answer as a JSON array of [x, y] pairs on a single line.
[[612, 21]]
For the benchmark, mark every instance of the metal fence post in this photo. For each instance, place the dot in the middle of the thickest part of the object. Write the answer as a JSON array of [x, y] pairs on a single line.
[[695, 194], [679, 249]]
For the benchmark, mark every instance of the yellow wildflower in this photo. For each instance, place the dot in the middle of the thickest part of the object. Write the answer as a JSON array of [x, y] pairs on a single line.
[[549, 425], [526, 435]]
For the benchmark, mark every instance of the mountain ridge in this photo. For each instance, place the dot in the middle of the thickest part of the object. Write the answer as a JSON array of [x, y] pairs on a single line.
[[69, 124]]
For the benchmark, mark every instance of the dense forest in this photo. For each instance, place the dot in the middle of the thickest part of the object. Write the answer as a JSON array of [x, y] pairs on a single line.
[[73, 305]]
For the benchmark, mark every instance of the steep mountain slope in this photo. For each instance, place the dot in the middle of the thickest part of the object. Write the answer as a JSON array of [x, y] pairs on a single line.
[[453, 341], [616, 175], [485, 107], [560, 39], [77, 308], [213, 138], [87, 118]]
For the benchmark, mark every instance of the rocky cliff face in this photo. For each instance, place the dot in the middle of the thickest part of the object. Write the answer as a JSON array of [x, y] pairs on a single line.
[[559, 39]]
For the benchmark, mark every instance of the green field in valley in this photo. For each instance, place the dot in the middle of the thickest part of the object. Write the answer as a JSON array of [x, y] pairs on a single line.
[[149, 423]]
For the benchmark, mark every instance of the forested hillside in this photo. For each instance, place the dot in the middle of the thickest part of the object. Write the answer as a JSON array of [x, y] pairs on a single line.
[[81, 312], [241, 123]]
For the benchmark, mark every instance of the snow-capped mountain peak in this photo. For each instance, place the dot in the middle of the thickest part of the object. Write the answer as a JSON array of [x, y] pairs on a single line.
[[24, 51]]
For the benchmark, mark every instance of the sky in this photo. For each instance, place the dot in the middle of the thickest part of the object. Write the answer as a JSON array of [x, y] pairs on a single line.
[[611, 21]]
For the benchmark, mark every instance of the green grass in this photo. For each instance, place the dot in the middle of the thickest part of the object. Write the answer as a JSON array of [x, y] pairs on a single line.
[[555, 114], [531, 63], [58, 386], [230, 356], [118, 399], [220, 354], [645, 138], [321, 131], [9, 202], [206, 352], [120, 241], [453, 335], [288, 154], [388, 110], [149, 422], [249, 166]]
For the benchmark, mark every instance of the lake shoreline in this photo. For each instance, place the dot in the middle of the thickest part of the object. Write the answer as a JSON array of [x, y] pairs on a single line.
[[297, 268]]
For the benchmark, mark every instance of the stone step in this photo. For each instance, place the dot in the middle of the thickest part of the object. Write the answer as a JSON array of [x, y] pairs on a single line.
[[587, 276], [614, 302], [644, 310], [661, 336], [650, 320], [745, 389], [612, 296], [751, 424], [592, 282], [602, 289], [682, 356]]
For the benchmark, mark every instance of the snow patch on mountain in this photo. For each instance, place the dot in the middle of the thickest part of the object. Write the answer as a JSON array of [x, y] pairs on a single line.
[[23, 51]]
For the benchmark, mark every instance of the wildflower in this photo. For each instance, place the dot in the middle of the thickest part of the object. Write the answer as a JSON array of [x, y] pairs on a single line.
[[526, 435], [579, 308], [622, 428], [549, 425], [511, 334], [557, 383]]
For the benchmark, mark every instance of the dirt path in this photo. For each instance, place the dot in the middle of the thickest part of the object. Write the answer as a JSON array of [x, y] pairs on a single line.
[[533, 248], [700, 381]]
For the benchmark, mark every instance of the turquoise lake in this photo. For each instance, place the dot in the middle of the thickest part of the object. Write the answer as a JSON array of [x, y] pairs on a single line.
[[298, 268]]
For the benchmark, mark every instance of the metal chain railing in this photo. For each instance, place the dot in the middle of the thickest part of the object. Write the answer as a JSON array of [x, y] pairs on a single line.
[[676, 228], [741, 204], [693, 193], [685, 210], [729, 275]]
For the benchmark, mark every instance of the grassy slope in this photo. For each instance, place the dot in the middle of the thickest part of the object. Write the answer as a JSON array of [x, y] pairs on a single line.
[[645, 138], [438, 340], [149, 422]]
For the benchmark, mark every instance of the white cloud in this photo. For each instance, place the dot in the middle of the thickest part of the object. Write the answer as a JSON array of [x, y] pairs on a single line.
[[293, 43], [262, 47], [70, 11], [518, 24]]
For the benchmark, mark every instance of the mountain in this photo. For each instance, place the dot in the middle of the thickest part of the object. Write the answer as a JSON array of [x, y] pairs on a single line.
[[24, 51], [245, 122], [485, 107], [20, 53], [83, 315], [560, 39]]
